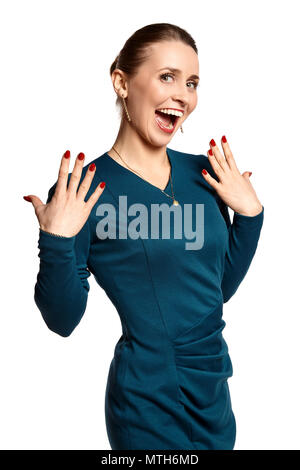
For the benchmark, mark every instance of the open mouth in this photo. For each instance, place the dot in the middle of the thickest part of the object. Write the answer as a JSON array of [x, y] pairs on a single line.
[[167, 122]]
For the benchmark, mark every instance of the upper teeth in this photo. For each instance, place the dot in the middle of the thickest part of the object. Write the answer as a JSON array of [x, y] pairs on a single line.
[[171, 111]]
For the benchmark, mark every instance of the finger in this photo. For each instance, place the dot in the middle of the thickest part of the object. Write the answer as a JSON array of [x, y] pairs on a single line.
[[228, 154], [76, 174], [210, 179], [36, 202], [95, 196], [61, 185], [215, 166], [220, 159], [86, 182]]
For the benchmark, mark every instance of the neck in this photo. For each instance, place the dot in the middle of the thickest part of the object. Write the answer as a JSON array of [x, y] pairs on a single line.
[[137, 152]]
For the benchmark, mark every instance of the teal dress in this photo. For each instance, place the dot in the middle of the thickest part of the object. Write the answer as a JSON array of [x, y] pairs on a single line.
[[167, 385]]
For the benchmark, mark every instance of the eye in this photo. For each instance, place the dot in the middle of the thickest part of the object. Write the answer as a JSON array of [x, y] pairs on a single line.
[[166, 75], [195, 84], [171, 75]]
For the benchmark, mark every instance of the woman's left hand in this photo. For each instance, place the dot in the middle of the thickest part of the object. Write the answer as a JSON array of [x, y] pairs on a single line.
[[234, 188]]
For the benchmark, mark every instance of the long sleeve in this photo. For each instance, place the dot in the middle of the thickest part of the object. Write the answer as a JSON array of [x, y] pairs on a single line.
[[243, 236], [61, 290]]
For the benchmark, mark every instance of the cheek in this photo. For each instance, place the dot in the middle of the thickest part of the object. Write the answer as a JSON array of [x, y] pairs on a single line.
[[192, 104], [158, 93], [195, 101]]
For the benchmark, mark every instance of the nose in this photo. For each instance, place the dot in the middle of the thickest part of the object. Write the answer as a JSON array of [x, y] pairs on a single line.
[[181, 97]]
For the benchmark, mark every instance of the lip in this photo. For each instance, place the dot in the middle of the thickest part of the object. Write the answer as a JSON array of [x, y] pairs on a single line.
[[168, 131]]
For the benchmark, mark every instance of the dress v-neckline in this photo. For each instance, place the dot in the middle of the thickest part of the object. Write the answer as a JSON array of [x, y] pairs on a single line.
[[139, 177]]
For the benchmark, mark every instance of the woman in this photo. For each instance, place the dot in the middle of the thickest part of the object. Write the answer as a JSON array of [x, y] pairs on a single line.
[[167, 384]]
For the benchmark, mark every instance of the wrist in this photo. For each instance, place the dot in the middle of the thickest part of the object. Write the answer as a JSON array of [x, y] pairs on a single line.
[[55, 232], [252, 212]]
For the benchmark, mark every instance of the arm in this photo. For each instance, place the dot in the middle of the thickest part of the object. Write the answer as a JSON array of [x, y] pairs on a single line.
[[61, 290], [243, 236]]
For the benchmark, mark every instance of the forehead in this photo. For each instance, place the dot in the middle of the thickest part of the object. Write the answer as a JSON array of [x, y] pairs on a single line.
[[174, 54]]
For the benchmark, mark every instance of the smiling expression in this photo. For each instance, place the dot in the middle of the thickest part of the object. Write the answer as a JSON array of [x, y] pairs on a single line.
[[168, 78]]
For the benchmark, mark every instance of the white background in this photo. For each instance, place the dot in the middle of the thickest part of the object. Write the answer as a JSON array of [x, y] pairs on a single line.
[[56, 94]]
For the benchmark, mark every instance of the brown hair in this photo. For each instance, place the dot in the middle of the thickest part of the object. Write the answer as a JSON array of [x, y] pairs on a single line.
[[134, 51]]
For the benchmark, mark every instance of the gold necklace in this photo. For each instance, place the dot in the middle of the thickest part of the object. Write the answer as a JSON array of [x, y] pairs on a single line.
[[175, 203]]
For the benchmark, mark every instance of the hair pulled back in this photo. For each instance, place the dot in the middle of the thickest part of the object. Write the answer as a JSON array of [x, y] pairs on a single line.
[[134, 52]]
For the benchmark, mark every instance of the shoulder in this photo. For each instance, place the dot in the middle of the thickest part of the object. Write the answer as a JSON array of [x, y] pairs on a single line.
[[194, 162], [190, 158]]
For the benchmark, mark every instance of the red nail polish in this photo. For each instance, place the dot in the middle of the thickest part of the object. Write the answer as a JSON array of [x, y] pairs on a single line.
[[224, 140], [102, 184], [80, 156], [27, 198], [92, 167], [212, 142], [204, 172], [67, 154], [250, 173], [210, 152]]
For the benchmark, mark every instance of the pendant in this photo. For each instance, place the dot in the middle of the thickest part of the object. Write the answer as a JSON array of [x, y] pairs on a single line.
[[175, 203]]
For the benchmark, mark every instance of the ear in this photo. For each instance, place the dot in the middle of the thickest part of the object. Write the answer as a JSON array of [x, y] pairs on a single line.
[[119, 82]]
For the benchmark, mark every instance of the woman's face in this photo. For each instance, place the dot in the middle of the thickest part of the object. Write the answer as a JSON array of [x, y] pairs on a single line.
[[155, 86]]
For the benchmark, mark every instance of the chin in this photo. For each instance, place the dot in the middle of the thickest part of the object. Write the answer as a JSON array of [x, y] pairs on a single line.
[[160, 141]]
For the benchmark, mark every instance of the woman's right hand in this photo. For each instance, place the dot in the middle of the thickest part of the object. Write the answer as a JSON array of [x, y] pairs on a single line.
[[67, 211]]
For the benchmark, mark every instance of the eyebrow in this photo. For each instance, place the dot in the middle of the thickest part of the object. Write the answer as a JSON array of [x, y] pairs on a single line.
[[178, 71]]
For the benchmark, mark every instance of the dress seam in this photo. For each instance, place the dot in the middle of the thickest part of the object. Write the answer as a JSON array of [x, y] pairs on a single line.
[[170, 343], [220, 304]]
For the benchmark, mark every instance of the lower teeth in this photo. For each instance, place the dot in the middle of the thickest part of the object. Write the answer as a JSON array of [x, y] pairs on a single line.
[[170, 126]]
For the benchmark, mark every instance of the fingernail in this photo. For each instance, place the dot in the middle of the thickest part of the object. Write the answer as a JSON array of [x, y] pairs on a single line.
[[102, 184], [224, 140], [80, 156], [204, 172], [250, 173], [212, 142], [27, 198], [67, 154], [210, 152], [92, 166]]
